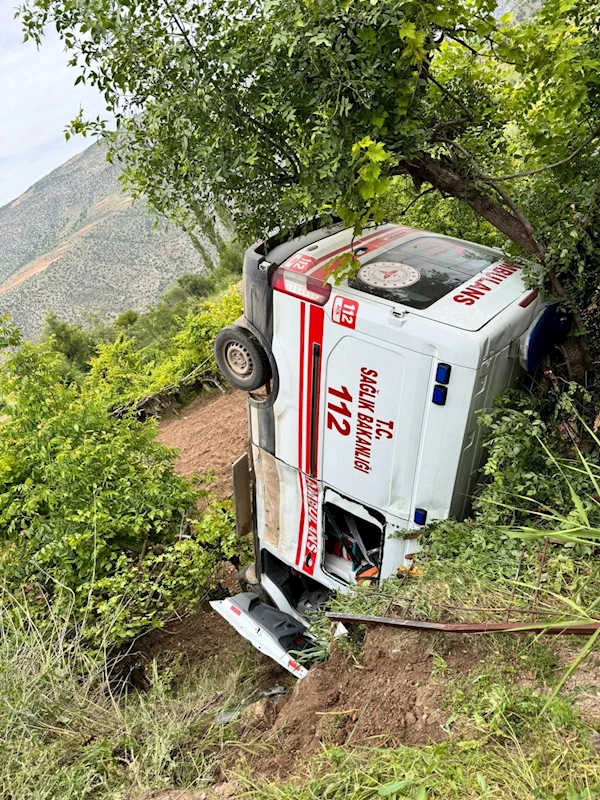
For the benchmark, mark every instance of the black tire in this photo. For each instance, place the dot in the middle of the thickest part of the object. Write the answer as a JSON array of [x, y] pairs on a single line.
[[242, 359]]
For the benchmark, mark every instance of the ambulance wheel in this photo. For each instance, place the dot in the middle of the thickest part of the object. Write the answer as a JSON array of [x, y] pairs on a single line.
[[242, 359]]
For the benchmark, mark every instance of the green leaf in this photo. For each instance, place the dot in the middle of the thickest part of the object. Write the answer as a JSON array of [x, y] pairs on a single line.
[[390, 789]]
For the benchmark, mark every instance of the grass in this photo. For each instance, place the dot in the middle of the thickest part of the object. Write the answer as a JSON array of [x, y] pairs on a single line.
[[553, 768], [71, 726]]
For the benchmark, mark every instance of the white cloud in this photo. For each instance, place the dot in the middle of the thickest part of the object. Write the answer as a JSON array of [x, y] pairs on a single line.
[[37, 100]]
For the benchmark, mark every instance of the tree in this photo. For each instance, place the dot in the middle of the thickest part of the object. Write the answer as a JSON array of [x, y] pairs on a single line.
[[76, 344], [287, 109], [196, 285], [93, 516]]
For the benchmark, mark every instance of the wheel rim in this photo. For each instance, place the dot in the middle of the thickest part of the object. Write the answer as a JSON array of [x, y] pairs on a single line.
[[239, 360]]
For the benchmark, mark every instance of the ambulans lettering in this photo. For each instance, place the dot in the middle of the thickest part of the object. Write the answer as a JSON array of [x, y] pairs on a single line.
[[312, 535], [480, 287]]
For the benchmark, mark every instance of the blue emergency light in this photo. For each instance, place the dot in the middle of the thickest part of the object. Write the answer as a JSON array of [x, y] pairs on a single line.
[[550, 328], [442, 373], [420, 516], [439, 395]]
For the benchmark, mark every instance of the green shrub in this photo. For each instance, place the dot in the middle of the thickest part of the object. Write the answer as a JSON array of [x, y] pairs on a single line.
[[93, 516], [122, 373]]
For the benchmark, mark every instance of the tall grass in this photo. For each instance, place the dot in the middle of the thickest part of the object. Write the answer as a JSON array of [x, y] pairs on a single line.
[[554, 769], [71, 726]]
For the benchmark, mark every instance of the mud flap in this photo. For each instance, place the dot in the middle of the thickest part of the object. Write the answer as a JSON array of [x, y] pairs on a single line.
[[240, 475], [270, 630]]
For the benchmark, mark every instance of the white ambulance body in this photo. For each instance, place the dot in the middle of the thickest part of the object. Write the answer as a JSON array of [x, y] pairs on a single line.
[[368, 430]]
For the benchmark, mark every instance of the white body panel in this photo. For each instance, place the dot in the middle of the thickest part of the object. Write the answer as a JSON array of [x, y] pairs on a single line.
[[358, 417], [257, 635], [372, 431]]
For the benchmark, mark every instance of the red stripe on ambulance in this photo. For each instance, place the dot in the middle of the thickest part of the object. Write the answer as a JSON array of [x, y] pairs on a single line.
[[315, 337], [307, 548], [306, 264], [300, 430], [372, 241]]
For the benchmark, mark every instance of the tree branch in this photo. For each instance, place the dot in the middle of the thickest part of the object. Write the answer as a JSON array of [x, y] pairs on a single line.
[[463, 43], [443, 175], [416, 199], [528, 172], [449, 94], [504, 196], [447, 124]]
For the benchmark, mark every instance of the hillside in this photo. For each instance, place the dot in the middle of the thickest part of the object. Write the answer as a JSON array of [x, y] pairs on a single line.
[[75, 244]]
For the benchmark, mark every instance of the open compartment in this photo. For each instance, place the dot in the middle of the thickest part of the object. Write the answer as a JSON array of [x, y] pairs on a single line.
[[353, 540]]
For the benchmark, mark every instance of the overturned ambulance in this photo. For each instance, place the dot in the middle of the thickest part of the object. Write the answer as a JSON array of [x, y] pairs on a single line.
[[363, 401]]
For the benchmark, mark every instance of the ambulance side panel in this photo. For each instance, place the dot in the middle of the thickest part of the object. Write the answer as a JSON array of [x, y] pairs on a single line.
[[494, 376], [442, 443], [499, 370], [278, 504], [373, 414]]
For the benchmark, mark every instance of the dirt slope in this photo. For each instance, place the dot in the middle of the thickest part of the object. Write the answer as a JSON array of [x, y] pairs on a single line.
[[210, 434], [392, 696]]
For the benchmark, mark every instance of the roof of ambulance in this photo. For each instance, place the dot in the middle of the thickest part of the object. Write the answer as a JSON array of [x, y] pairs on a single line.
[[448, 280]]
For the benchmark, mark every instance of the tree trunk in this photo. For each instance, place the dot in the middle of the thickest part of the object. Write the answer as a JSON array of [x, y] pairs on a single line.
[[442, 174]]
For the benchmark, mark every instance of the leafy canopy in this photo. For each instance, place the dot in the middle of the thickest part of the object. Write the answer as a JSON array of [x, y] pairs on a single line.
[[283, 109]]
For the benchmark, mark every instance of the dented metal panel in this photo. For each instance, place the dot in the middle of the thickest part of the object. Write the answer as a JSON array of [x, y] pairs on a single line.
[[267, 495]]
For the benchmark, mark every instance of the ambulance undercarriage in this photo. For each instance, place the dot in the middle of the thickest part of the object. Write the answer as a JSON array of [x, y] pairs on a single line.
[[363, 401]]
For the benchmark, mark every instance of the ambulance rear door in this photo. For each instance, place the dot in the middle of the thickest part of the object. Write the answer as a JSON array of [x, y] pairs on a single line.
[[374, 395]]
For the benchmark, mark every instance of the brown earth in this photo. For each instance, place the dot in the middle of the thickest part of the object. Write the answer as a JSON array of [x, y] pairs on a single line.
[[391, 697], [229, 789], [210, 433]]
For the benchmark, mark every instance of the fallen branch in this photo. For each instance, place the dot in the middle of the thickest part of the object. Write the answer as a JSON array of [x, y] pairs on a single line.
[[165, 391], [528, 172], [572, 628]]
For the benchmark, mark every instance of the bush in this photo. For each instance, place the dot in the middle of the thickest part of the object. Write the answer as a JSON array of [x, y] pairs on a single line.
[[93, 517], [122, 373]]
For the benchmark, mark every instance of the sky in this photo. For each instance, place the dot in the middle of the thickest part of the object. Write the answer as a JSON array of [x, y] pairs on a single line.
[[37, 100]]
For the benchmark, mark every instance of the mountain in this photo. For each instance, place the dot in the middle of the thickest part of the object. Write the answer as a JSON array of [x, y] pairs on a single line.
[[74, 243], [521, 9]]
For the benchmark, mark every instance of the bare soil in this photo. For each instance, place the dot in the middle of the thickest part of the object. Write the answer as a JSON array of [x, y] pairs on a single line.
[[210, 433], [229, 789], [199, 636], [391, 697]]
